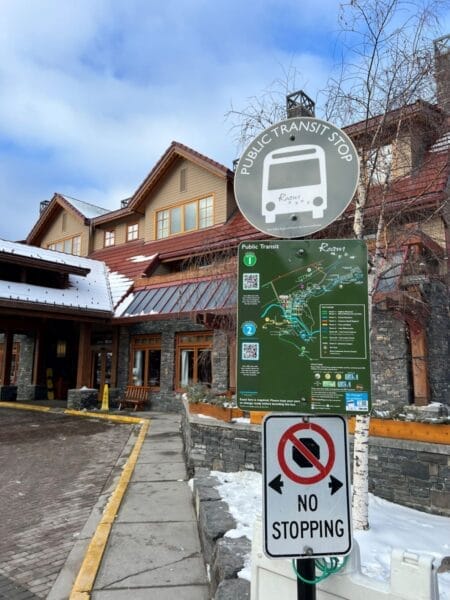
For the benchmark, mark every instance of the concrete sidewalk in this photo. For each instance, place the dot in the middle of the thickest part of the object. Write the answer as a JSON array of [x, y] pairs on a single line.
[[153, 551]]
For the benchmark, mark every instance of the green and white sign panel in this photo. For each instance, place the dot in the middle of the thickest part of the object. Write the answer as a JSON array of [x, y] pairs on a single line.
[[303, 328]]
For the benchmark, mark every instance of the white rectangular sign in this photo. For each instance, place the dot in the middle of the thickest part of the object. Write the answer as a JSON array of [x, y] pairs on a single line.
[[306, 486]]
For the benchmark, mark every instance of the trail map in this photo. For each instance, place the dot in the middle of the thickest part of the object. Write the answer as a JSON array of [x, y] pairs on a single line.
[[303, 326]]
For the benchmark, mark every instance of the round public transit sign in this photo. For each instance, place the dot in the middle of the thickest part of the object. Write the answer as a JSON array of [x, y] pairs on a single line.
[[296, 177]]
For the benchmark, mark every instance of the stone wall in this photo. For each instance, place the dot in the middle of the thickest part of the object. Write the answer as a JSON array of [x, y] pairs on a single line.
[[391, 385], [222, 446], [414, 474], [438, 341]]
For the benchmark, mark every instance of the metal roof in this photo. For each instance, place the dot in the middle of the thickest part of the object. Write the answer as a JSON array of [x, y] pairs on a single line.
[[184, 297]]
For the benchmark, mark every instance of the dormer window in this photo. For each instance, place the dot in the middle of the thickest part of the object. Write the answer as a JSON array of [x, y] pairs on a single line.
[[132, 232], [379, 164], [110, 237], [189, 216]]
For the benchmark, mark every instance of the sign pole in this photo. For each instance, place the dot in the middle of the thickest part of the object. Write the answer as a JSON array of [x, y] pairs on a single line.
[[307, 569]]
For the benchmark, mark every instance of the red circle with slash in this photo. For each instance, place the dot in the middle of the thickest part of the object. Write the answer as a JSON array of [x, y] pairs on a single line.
[[289, 437]]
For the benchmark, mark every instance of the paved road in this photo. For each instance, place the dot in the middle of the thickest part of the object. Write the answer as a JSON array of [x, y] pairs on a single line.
[[53, 469]]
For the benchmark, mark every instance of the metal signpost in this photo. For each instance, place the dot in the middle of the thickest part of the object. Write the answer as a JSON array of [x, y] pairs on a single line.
[[303, 334]]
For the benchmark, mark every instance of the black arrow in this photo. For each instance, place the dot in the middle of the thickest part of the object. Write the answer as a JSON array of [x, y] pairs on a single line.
[[276, 484], [334, 484]]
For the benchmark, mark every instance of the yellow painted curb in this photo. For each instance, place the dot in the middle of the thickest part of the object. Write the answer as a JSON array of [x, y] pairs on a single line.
[[24, 406], [109, 417], [80, 596], [88, 571]]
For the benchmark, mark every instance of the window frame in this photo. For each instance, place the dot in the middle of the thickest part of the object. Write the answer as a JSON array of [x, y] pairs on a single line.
[[196, 341], [109, 238], [204, 216], [60, 245], [132, 232], [145, 343]]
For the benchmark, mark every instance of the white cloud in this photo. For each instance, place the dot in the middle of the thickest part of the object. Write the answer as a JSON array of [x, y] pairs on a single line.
[[94, 91]]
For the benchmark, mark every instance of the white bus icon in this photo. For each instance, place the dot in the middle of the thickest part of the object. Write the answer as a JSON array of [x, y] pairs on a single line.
[[294, 180]]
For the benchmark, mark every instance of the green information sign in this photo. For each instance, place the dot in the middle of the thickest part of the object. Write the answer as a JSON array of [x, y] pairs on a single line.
[[303, 331]]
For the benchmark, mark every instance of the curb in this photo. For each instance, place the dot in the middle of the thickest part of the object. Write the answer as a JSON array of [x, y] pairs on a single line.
[[85, 579]]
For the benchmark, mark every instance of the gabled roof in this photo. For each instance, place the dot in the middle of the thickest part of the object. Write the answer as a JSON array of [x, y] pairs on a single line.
[[83, 211], [419, 111], [87, 210], [425, 187], [170, 156]]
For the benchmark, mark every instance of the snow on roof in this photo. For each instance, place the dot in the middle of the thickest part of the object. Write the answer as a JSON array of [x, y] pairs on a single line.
[[43, 254], [119, 285], [123, 305], [88, 210], [90, 292], [443, 143], [141, 258]]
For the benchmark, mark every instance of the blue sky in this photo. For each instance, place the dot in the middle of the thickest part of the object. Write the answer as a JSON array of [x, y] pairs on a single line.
[[94, 91]]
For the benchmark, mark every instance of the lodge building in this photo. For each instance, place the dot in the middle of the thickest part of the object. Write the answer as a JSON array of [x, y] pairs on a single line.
[[145, 295]]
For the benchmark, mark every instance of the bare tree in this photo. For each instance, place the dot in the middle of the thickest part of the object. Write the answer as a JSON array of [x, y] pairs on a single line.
[[386, 67]]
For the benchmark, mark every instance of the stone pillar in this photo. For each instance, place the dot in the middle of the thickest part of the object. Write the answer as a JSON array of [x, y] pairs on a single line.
[[220, 360]]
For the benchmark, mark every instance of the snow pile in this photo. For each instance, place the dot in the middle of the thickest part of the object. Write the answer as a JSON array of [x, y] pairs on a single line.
[[391, 526]]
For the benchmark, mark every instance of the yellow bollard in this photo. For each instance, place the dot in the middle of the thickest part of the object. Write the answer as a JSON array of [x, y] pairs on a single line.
[[105, 398]]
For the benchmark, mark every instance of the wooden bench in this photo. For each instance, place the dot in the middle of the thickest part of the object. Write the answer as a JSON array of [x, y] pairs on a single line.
[[136, 396]]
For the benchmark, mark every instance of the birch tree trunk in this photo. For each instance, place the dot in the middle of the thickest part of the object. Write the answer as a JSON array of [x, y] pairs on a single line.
[[360, 494]]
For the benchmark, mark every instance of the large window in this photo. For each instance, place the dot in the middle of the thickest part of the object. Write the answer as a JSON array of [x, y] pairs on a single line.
[[193, 356], [69, 245], [196, 214], [145, 361]]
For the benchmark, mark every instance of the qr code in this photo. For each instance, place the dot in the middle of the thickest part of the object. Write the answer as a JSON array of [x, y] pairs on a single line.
[[250, 351], [250, 281]]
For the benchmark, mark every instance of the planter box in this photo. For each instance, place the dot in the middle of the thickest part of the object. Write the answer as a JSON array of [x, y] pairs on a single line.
[[257, 416], [212, 410], [434, 433]]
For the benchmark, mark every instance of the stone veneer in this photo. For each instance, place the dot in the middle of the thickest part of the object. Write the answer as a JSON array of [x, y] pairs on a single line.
[[414, 474]]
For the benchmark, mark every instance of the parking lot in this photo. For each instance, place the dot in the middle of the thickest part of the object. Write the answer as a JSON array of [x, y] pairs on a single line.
[[54, 467]]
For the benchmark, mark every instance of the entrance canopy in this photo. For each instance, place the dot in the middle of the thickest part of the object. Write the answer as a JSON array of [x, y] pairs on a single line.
[[214, 294]]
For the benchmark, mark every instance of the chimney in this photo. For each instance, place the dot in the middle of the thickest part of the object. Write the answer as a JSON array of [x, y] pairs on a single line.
[[442, 72], [298, 104], [43, 205]]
